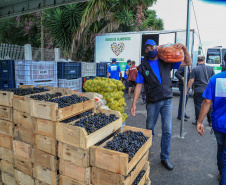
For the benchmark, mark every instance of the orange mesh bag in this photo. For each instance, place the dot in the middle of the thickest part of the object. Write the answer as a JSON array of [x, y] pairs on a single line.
[[170, 53]]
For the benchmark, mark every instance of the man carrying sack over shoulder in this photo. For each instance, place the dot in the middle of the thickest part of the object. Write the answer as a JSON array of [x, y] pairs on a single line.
[[155, 74]]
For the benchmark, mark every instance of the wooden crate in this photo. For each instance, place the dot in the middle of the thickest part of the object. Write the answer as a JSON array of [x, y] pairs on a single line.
[[24, 103], [22, 149], [77, 136], [23, 119], [22, 164], [6, 113], [6, 141], [23, 179], [38, 182], [6, 98], [8, 180], [69, 181], [118, 162], [44, 127], [73, 154], [45, 175], [50, 110], [6, 154], [148, 182], [100, 176], [46, 144], [74, 171], [145, 178], [6, 127], [7, 167], [23, 134], [44, 159]]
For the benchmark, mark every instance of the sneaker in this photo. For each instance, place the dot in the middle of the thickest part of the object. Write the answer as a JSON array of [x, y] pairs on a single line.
[[179, 118], [186, 116], [194, 122]]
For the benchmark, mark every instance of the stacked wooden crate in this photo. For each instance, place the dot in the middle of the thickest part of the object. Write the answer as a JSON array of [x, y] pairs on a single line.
[[47, 115], [6, 138], [74, 149], [112, 167]]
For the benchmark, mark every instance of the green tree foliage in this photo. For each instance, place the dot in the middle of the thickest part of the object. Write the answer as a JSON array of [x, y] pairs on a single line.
[[73, 27]]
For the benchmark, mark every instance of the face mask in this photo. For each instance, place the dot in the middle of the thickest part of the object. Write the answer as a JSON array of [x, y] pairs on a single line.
[[152, 54]]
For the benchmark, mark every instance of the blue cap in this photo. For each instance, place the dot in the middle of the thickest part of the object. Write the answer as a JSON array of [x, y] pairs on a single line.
[[113, 60], [150, 42]]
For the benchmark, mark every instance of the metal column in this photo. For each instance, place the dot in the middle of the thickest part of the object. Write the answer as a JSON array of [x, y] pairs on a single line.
[[186, 70]]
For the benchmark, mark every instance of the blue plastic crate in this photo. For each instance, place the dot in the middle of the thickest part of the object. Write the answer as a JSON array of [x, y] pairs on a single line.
[[68, 70], [101, 69], [7, 71], [4, 84]]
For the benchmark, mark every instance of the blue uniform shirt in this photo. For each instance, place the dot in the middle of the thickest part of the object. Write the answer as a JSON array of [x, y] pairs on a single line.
[[216, 91], [114, 70], [126, 70], [155, 67]]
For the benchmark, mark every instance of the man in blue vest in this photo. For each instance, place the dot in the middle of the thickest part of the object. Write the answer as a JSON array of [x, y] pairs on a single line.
[[114, 70], [215, 93], [125, 76], [155, 75]]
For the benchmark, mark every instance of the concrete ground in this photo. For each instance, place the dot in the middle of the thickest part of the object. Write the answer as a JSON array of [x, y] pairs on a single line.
[[194, 157]]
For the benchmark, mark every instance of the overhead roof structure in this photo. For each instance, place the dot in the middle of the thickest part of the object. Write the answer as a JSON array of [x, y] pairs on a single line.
[[10, 8]]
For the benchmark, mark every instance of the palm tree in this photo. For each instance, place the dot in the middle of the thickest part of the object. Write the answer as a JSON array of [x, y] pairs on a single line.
[[75, 26]]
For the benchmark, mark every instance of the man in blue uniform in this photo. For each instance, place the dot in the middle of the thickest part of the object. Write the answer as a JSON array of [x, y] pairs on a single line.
[[215, 93], [155, 75], [125, 76], [114, 70]]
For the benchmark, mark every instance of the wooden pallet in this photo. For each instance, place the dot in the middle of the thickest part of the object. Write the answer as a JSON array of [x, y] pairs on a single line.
[[118, 162], [46, 160], [77, 136], [23, 134], [6, 141], [50, 111], [45, 175], [23, 178], [74, 154], [6, 127], [46, 144], [6, 154], [100, 176], [6, 113], [74, 171], [7, 167]]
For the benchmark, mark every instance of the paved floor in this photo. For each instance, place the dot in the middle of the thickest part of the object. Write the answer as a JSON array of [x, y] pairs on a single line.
[[194, 157]]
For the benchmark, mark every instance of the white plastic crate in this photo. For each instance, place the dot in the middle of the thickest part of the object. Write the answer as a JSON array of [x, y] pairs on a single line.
[[32, 71], [35, 84], [73, 84], [88, 69]]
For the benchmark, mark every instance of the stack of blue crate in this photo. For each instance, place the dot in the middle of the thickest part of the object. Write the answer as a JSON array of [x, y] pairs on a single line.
[[7, 74], [69, 75]]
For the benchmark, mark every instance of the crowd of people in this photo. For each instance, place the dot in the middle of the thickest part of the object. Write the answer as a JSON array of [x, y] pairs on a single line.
[[152, 78]]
